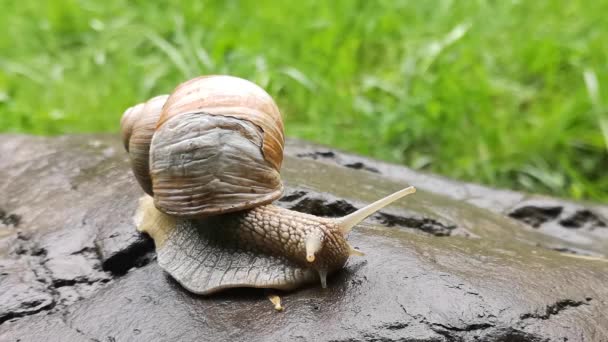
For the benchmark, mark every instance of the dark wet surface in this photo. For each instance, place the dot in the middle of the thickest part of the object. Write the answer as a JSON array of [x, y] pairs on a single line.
[[453, 262]]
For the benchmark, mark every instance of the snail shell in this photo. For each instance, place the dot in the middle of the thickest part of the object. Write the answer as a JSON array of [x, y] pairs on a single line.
[[215, 145], [139, 123]]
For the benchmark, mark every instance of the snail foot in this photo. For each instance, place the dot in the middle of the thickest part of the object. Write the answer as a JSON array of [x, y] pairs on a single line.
[[203, 264]]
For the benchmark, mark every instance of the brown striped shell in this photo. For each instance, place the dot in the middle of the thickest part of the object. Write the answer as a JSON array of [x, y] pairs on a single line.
[[127, 121], [140, 138], [215, 145]]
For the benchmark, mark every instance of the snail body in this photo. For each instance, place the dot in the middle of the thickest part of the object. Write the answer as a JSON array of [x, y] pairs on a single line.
[[210, 167]]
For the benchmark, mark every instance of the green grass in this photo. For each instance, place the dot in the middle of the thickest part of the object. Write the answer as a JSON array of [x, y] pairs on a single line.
[[507, 93]]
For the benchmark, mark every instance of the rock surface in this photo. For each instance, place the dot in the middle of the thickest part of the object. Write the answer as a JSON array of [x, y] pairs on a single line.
[[455, 262]]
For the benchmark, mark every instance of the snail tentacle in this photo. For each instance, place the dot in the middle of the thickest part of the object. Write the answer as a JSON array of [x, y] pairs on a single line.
[[313, 245], [347, 222]]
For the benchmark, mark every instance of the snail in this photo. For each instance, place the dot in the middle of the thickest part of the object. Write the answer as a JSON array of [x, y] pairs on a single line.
[[208, 157]]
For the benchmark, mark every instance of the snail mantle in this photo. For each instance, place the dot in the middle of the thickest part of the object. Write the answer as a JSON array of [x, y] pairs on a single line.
[[455, 262]]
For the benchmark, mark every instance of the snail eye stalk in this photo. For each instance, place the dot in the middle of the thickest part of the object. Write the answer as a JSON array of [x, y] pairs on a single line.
[[313, 245]]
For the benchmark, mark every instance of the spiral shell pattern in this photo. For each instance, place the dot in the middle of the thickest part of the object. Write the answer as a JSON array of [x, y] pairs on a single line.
[[215, 145]]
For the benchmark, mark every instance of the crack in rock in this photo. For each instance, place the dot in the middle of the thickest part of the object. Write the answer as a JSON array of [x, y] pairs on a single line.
[[451, 333], [137, 254], [556, 308], [322, 207], [9, 219], [511, 334], [26, 308], [425, 224], [395, 326], [361, 166], [442, 328], [293, 195], [570, 250], [535, 216], [329, 206], [348, 162], [582, 218], [574, 218], [317, 154]]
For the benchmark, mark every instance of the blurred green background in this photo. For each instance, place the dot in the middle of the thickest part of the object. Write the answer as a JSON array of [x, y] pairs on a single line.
[[507, 93]]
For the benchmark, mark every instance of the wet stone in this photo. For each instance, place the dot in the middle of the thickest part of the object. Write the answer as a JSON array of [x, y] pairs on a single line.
[[454, 262], [22, 292]]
